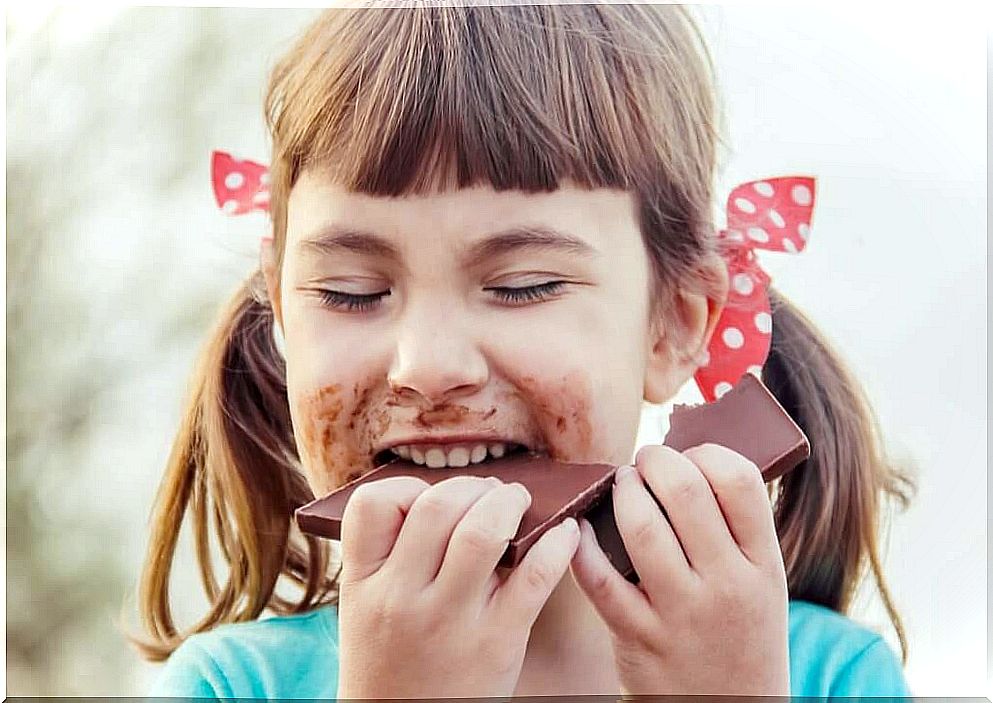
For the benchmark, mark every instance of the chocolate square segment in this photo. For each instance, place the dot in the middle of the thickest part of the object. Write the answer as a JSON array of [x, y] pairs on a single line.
[[746, 419]]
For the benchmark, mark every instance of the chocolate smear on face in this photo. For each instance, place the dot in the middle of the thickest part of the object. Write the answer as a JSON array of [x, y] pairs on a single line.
[[562, 409], [336, 446]]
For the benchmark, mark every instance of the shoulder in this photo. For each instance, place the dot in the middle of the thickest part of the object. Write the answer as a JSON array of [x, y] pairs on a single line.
[[293, 656], [833, 655]]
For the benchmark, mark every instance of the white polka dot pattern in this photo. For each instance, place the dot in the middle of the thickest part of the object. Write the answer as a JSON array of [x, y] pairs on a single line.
[[745, 205], [234, 180], [764, 189], [801, 195], [743, 283], [763, 322], [758, 234], [733, 337]]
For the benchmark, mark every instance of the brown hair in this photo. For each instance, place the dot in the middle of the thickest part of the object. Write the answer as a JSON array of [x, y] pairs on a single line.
[[397, 101]]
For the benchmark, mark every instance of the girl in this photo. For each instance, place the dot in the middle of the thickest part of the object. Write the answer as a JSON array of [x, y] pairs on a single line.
[[491, 229]]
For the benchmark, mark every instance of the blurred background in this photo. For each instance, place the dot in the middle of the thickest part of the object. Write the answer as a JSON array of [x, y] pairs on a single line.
[[118, 260]]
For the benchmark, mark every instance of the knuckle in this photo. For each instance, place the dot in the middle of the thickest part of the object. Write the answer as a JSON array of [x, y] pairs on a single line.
[[635, 655], [733, 595], [393, 611], [686, 490], [373, 495], [538, 578], [432, 504], [365, 500], [644, 531], [736, 471], [362, 498], [601, 585], [742, 475], [483, 535]]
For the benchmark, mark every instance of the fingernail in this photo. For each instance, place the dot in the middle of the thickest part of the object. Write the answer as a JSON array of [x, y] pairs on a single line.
[[570, 525], [524, 491], [623, 473]]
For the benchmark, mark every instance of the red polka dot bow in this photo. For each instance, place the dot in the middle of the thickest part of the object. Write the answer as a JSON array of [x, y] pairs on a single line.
[[773, 214], [239, 186]]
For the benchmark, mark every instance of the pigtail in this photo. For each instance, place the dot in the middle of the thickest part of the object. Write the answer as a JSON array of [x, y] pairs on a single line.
[[828, 509], [234, 468]]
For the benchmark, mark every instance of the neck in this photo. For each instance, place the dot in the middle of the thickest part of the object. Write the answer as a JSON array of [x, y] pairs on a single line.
[[569, 651]]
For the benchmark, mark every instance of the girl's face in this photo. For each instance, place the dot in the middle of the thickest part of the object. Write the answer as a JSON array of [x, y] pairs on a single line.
[[461, 319]]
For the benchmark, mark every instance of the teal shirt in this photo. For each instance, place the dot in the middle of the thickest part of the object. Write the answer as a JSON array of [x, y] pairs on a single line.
[[297, 657]]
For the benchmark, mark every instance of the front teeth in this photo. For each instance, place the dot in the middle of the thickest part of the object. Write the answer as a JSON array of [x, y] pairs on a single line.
[[458, 455]]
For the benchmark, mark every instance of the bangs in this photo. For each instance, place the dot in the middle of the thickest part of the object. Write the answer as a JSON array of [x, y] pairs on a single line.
[[390, 102]]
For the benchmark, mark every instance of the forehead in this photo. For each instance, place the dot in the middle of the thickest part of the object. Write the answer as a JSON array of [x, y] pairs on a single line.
[[592, 214]]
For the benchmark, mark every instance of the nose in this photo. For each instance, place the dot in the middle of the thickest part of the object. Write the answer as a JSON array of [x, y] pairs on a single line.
[[437, 358]]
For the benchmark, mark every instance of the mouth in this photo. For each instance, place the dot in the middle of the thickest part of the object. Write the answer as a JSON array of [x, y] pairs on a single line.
[[452, 454]]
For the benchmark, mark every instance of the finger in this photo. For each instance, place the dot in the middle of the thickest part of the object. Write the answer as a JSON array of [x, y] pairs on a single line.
[[371, 522], [479, 540], [741, 493], [522, 596], [689, 501], [649, 539], [423, 540], [621, 604]]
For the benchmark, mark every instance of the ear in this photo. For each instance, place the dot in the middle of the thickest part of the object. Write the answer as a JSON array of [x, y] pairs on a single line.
[[267, 262], [677, 346]]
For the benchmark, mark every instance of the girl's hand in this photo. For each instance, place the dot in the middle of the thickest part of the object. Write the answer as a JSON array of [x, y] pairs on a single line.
[[424, 612], [710, 614]]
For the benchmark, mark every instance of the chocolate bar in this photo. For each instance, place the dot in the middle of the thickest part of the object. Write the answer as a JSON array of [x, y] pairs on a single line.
[[746, 419], [558, 490]]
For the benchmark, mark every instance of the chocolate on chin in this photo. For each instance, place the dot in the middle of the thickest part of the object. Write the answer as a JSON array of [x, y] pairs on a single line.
[[746, 419]]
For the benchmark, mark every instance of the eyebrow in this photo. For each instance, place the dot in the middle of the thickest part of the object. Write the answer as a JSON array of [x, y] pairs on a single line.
[[335, 239]]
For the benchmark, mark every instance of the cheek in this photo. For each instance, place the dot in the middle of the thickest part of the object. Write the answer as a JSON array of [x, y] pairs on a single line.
[[582, 395], [329, 401], [334, 430], [317, 419], [577, 416]]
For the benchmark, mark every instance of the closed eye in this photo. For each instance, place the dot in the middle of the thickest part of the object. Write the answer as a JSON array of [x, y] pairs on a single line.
[[528, 294], [352, 302]]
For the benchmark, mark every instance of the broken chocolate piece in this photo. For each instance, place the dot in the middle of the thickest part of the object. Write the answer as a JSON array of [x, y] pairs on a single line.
[[746, 419]]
